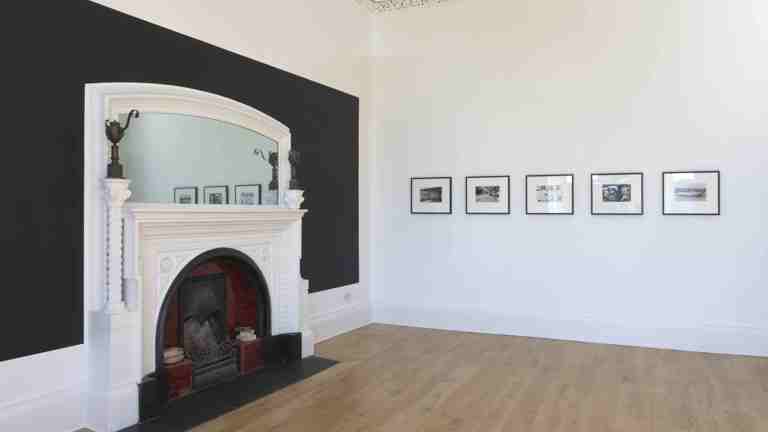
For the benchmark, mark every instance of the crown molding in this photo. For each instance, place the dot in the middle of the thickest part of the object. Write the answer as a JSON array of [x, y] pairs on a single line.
[[392, 5]]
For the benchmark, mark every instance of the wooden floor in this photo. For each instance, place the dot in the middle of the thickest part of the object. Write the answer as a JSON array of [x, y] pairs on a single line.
[[407, 379]]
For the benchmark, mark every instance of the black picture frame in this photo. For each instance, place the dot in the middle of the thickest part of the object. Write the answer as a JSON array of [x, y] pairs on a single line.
[[592, 193], [450, 195], [225, 188], [573, 205], [466, 195], [664, 191], [237, 195], [176, 190]]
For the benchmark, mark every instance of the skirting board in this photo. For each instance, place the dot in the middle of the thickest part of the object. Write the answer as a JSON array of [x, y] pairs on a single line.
[[59, 411], [43, 392], [721, 339], [339, 321]]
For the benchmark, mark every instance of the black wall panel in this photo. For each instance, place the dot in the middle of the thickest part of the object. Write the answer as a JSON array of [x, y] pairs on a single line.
[[50, 50]]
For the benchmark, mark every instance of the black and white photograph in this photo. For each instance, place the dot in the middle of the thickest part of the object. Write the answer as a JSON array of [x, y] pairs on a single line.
[[619, 193], [691, 193], [549, 194], [487, 194], [185, 195], [217, 195], [431, 195], [249, 194]]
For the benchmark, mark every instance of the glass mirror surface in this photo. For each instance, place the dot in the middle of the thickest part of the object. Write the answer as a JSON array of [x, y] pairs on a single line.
[[186, 159]]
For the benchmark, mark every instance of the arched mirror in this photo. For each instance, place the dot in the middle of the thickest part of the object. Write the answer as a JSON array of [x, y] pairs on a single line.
[[190, 147], [186, 159]]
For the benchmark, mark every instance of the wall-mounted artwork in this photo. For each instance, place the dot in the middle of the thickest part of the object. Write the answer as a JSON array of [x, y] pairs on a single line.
[[691, 193], [217, 195], [487, 195], [617, 194], [549, 194], [248, 194], [431, 195], [185, 195]]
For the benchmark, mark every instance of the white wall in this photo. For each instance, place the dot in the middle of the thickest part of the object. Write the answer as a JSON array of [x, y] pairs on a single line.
[[544, 86], [327, 42]]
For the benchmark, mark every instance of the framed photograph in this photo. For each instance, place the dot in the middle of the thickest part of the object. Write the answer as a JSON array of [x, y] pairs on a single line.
[[185, 195], [691, 193], [248, 194], [487, 195], [218, 195], [431, 195], [617, 194], [549, 194]]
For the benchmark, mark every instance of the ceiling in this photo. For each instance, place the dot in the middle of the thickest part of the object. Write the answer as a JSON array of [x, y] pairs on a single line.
[[390, 5]]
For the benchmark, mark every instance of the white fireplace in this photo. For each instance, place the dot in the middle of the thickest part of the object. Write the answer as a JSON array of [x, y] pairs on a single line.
[[134, 251]]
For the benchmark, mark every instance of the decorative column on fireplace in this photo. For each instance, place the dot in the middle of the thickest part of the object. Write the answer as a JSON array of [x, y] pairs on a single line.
[[117, 193]]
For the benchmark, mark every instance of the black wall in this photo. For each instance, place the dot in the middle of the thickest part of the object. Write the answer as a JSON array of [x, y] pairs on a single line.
[[50, 50]]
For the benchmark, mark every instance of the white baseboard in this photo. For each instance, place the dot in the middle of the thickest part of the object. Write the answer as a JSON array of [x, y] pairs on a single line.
[[341, 320], [712, 338], [57, 411], [114, 410], [43, 392]]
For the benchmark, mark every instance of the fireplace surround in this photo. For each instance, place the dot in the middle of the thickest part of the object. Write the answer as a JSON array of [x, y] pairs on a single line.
[[138, 256]]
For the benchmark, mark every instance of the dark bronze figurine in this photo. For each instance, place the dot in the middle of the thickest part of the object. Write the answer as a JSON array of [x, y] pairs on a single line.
[[115, 133], [273, 161], [294, 157]]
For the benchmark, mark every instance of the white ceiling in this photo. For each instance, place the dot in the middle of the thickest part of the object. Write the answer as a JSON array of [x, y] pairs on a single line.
[[390, 5]]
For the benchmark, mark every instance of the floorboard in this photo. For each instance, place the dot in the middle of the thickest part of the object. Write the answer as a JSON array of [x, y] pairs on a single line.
[[403, 379]]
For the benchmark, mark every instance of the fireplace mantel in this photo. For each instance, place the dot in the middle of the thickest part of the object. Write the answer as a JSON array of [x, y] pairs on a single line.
[[148, 214], [179, 219]]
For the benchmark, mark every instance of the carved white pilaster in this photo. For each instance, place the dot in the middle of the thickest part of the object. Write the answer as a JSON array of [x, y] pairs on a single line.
[[294, 198], [307, 335], [117, 193]]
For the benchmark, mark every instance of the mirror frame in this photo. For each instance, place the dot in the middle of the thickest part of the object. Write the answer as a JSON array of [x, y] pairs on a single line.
[[107, 101]]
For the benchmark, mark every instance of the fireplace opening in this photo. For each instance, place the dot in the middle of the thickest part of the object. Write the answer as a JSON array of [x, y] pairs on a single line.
[[213, 323]]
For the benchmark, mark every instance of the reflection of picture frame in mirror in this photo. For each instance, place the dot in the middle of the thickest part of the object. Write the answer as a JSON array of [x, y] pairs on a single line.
[[689, 193], [216, 195], [185, 195], [249, 194]]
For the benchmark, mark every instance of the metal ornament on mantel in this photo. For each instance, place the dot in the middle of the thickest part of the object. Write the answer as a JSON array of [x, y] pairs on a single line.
[[294, 157], [115, 133], [294, 196]]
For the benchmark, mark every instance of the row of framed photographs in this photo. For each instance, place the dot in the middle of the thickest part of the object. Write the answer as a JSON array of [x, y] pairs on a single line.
[[683, 193], [249, 194]]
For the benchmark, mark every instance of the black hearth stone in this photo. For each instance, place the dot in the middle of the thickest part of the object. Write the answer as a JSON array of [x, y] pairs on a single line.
[[198, 408]]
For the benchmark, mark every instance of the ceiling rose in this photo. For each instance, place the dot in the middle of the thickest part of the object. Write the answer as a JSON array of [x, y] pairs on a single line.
[[390, 5]]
